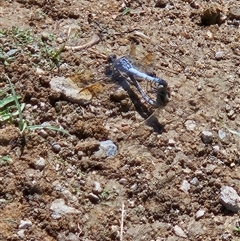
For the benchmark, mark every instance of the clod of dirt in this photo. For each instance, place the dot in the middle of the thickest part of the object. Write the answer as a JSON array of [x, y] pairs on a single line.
[[211, 15], [161, 3], [8, 135], [234, 13], [87, 147]]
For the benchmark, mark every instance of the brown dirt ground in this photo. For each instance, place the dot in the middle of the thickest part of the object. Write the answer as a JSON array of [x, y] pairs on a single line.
[[157, 148]]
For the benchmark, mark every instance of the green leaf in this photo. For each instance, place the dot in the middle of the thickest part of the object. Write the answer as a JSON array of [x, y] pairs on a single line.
[[7, 100], [233, 131], [126, 11], [53, 128], [6, 159]]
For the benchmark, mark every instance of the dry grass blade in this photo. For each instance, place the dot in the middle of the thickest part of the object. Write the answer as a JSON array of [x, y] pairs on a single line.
[[122, 219], [94, 40]]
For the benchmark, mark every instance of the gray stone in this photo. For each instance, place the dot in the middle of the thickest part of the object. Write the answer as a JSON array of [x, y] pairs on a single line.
[[59, 208], [194, 181], [207, 137], [219, 55], [56, 147], [39, 164], [93, 198], [190, 125], [230, 199], [24, 224], [179, 232], [109, 148]]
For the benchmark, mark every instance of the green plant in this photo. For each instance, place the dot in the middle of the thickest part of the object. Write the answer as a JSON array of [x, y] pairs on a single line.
[[126, 11], [233, 131], [22, 36], [104, 195], [5, 58], [6, 159], [43, 54], [236, 231], [7, 108], [22, 124]]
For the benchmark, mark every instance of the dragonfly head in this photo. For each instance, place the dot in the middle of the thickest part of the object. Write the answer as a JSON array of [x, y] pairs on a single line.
[[111, 58], [162, 82]]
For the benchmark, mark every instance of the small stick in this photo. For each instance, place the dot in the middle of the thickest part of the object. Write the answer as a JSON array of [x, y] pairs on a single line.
[[94, 40], [122, 218]]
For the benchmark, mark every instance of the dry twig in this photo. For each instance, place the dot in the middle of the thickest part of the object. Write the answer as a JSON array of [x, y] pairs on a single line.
[[122, 218], [94, 40]]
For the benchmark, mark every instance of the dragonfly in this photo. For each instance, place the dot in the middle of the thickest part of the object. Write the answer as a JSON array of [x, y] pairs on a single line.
[[126, 68]]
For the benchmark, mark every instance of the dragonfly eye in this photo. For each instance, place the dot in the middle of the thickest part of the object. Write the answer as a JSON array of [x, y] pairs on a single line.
[[111, 58]]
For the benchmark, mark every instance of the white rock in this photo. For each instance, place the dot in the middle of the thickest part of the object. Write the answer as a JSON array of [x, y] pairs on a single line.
[[216, 149], [222, 134], [185, 186], [59, 208], [24, 224], [194, 181], [179, 232], [171, 142], [21, 233], [219, 55], [230, 199], [40, 71], [200, 213], [97, 188], [69, 89], [190, 125]]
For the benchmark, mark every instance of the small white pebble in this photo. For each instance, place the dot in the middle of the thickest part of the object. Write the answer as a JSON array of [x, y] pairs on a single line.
[[219, 55], [194, 181], [24, 224], [200, 213], [179, 232], [185, 186], [190, 125]]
